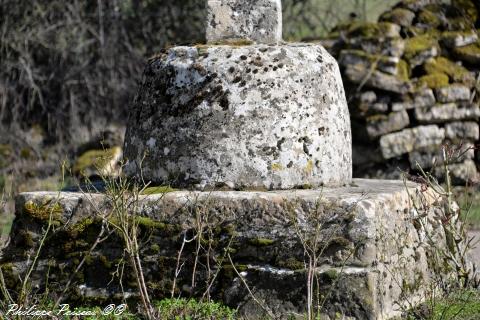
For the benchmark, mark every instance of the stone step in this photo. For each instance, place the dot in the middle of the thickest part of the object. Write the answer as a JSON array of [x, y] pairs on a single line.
[[373, 253]]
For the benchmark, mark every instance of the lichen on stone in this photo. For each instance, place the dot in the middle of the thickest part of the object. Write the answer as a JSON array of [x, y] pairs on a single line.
[[433, 81], [456, 72], [419, 44]]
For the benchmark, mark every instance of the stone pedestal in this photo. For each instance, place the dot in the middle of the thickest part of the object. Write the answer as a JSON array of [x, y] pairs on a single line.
[[373, 253], [245, 117]]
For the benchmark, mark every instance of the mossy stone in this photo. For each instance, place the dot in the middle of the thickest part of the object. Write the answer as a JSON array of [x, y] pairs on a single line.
[[467, 6], [469, 54], [445, 66], [433, 81], [419, 44], [158, 190], [373, 30], [429, 18], [261, 242], [403, 70], [44, 211], [399, 16]]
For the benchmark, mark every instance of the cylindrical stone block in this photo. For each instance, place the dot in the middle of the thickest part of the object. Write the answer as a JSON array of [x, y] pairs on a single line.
[[245, 117]]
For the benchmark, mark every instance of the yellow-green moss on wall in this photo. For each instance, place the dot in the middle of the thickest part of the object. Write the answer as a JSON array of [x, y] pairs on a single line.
[[419, 44], [445, 66], [433, 81]]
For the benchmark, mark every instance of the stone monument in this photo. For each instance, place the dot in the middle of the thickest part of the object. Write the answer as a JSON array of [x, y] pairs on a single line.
[[265, 115]]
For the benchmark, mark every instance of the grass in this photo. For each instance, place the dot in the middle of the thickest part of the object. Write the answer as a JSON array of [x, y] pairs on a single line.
[[464, 305], [183, 309]]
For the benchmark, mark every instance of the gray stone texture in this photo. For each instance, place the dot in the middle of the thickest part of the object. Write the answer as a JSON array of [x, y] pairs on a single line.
[[460, 131], [448, 112], [459, 39], [429, 157], [259, 21], [257, 116], [374, 255], [381, 125], [408, 140], [453, 93]]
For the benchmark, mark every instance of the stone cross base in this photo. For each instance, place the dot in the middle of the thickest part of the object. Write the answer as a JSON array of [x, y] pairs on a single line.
[[373, 255]]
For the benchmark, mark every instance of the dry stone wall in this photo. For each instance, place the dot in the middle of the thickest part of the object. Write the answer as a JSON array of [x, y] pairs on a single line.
[[412, 81]]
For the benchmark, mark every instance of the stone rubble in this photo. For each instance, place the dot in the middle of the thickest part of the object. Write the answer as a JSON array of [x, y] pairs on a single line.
[[417, 67]]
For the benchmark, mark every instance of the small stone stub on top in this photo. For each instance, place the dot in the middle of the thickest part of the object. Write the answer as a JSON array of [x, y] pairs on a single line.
[[259, 21]]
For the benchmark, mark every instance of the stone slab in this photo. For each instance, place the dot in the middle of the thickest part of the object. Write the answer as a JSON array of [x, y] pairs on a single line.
[[259, 21], [257, 116], [374, 256]]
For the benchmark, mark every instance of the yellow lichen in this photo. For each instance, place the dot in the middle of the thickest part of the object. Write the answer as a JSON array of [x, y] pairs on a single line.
[[433, 81], [158, 190], [445, 66], [419, 44], [276, 167], [44, 211], [429, 18], [403, 70]]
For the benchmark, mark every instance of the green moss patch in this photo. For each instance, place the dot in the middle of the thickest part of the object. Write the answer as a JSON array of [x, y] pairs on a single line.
[[192, 309], [433, 81], [429, 18], [371, 30], [44, 210], [158, 190], [261, 242], [95, 159], [442, 65], [419, 44], [403, 70]]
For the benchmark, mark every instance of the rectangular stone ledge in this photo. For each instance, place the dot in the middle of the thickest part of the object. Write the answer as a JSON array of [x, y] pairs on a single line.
[[373, 260]]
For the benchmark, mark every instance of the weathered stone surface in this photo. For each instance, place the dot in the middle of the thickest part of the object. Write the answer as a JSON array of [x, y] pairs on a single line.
[[470, 54], [453, 93], [461, 173], [400, 16], [374, 255], [429, 157], [421, 98], [255, 20], [459, 131], [259, 116], [357, 57], [459, 39], [408, 140], [447, 112], [382, 124], [375, 79], [393, 47]]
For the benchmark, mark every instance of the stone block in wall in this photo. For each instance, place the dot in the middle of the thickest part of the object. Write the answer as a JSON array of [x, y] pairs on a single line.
[[469, 54], [421, 98], [453, 93], [408, 140], [379, 125], [429, 157], [454, 70], [358, 57], [393, 47], [448, 112], [460, 173], [376, 79], [402, 17], [455, 39], [460, 131], [420, 48]]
